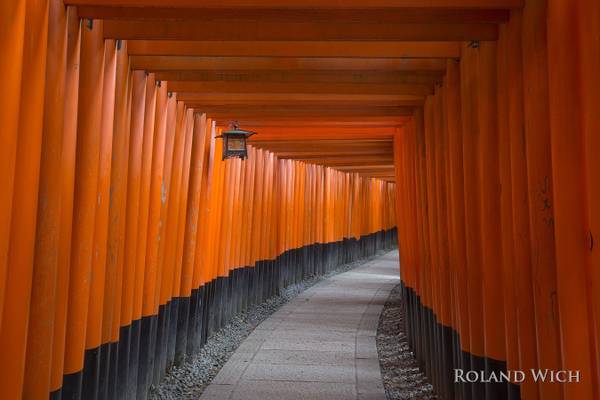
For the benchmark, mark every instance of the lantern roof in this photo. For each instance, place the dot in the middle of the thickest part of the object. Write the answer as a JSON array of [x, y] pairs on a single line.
[[238, 131]]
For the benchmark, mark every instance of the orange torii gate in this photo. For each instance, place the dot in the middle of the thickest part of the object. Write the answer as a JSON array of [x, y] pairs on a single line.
[[126, 240]]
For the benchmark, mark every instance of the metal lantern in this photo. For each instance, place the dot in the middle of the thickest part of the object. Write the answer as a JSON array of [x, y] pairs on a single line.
[[234, 142]]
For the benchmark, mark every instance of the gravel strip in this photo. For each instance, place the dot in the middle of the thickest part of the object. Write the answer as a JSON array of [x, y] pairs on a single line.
[[189, 380], [402, 378]]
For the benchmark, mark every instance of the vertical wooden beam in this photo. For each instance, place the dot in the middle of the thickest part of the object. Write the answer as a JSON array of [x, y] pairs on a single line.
[[163, 294], [456, 182], [181, 226], [511, 325], [540, 193], [125, 381], [521, 229], [471, 145], [12, 28], [175, 147], [489, 184], [67, 184], [84, 211], [588, 13], [153, 238], [192, 225], [45, 269], [570, 199], [139, 356], [113, 295], [20, 258], [93, 337]]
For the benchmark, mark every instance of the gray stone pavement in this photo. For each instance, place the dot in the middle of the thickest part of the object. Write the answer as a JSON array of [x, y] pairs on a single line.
[[319, 346]]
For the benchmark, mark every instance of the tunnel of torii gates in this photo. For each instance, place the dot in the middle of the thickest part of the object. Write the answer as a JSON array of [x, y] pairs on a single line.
[[125, 239]]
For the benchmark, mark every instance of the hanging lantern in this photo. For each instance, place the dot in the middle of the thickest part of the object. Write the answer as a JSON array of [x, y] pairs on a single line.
[[234, 142]]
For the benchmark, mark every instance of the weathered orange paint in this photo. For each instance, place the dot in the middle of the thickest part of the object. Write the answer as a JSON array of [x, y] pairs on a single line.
[[93, 337], [570, 203], [12, 28], [20, 258], [38, 363], [68, 163], [86, 191]]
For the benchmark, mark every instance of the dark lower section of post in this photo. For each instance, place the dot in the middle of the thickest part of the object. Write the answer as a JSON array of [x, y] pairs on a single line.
[[149, 346], [439, 354]]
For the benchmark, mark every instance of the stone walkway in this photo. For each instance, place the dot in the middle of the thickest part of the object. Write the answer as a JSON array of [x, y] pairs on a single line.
[[319, 346]]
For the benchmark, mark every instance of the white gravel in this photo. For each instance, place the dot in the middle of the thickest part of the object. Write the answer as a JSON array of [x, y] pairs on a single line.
[[402, 378]]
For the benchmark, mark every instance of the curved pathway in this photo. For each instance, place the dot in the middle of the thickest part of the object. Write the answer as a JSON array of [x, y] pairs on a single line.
[[319, 346]]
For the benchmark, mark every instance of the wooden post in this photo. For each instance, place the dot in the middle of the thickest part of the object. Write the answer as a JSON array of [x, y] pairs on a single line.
[[16, 295], [84, 210], [93, 337], [67, 184], [570, 201], [45, 269]]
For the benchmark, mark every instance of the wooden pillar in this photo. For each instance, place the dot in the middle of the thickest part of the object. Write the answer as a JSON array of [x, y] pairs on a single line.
[[540, 196], [113, 295], [125, 382], [570, 200], [588, 13], [38, 364], [471, 145], [174, 165], [150, 265], [84, 211], [93, 337], [138, 357], [489, 184], [505, 89], [452, 84], [191, 227], [20, 258], [165, 304], [12, 28], [67, 183], [186, 157]]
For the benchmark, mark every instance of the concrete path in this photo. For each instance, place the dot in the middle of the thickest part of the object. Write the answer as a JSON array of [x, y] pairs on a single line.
[[319, 346]]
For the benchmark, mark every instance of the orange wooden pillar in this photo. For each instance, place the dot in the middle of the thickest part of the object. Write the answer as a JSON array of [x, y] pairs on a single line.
[[174, 153], [540, 196], [163, 292], [142, 236], [471, 144], [113, 295], [20, 258], [202, 271], [84, 210], [68, 152], [523, 289], [456, 190], [489, 184], [432, 273], [182, 193], [93, 338], [45, 269], [422, 286], [506, 92], [449, 303], [445, 324], [125, 381], [191, 235], [588, 13], [157, 127], [434, 307], [573, 241], [12, 28]]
